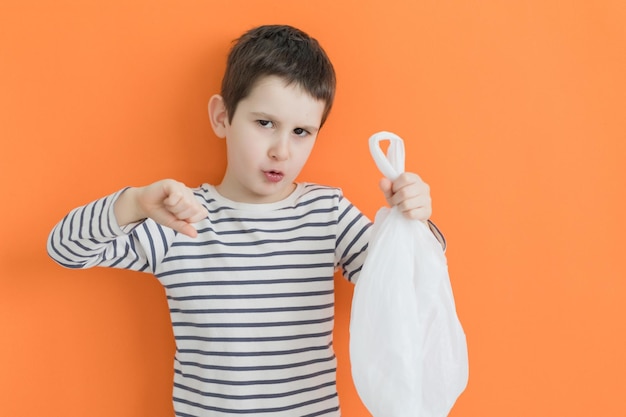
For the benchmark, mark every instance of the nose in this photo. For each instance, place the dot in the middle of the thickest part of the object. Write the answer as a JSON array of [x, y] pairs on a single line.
[[279, 150]]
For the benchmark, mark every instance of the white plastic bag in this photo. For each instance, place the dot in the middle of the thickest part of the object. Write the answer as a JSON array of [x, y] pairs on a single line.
[[407, 348]]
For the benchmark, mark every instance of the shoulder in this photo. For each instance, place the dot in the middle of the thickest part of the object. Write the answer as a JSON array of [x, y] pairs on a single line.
[[208, 196], [309, 188], [325, 197], [204, 192], [310, 193]]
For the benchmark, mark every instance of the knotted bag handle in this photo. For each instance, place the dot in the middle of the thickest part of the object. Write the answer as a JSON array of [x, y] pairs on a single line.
[[392, 164]]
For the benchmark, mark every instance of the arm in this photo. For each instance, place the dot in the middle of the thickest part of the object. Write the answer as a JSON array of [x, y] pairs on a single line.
[[99, 233], [89, 236]]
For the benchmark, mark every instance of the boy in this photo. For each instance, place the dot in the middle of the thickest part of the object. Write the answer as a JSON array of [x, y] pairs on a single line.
[[248, 264]]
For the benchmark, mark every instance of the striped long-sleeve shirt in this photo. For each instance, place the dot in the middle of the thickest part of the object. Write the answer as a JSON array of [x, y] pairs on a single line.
[[251, 297]]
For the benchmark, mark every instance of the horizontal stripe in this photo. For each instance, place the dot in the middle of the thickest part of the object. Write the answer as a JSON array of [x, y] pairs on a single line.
[[271, 222], [254, 282], [243, 268], [260, 381], [254, 411], [251, 310], [258, 367], [258, 242], [255, 339], [247, 296], [255, 396], [250, 256], [327, 411], [252, 325]]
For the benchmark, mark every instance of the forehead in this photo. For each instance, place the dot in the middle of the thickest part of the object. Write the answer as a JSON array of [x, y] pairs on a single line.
[[273, 96]]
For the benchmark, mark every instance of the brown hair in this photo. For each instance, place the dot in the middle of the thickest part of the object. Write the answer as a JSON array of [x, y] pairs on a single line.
[[278, 50]]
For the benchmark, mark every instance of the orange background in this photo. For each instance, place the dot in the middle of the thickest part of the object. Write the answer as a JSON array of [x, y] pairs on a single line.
[[513, 111]]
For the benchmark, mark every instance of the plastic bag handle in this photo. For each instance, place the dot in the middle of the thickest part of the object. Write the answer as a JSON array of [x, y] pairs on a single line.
[[391, 165]]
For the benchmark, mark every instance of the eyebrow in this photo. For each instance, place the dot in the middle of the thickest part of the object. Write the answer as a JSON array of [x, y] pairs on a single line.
[[267, 116]]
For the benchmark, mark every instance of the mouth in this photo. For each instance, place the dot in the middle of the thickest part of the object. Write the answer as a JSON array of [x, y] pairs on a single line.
[[274, 176]]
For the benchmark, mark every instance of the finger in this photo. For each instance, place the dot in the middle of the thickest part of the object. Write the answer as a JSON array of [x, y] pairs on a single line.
[[420, 213], [416, 207], [385, 186], [185, 228], [200, 213], [411, 196], [169, 220], [415, 202], [406, 179], [188, 208], [183, 209], [191, 214], [173, 199], [408, 189]]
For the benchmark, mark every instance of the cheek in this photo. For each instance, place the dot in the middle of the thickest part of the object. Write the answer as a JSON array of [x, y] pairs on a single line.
[[303, 151], [243, 147], [247, 154], [308, 146]]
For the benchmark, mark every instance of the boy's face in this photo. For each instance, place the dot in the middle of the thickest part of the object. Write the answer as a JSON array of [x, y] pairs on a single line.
[[268, 141]]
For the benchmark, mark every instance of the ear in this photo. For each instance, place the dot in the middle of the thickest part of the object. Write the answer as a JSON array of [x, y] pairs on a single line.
[[218, 116]]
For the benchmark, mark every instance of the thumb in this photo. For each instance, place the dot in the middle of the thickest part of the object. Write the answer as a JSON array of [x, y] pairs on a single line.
[[183, 227], [187, 229], [385, 185], [168, 219]]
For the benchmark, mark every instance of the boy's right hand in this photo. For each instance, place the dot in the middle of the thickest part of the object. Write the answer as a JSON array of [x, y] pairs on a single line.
[[167, 202]]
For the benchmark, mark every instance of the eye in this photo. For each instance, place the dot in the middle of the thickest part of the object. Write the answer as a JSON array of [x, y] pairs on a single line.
[[265, 123], [300, 132]]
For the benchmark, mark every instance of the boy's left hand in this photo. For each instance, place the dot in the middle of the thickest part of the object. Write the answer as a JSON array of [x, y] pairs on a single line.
[[410, 194]]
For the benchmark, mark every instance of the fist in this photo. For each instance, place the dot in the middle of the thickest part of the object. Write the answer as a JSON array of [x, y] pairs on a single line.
[[409, 194], [167, 202]]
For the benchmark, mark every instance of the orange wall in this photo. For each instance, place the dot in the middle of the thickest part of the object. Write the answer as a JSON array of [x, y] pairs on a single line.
[[514, 112]]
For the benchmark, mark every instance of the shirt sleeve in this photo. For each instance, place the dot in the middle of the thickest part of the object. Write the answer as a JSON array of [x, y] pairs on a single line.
[[352, 239], [440, 237], [91, 236]]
